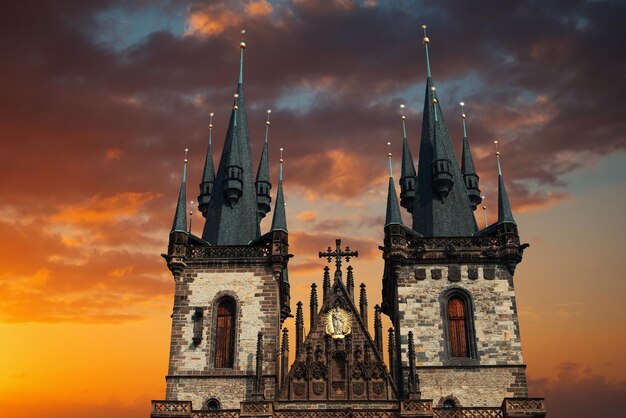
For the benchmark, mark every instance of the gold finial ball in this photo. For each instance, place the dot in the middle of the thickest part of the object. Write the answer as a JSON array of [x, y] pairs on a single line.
[[403, 117], [236, 107], [235, 95], [495, 142], [401, 106], [389, 155], [433, 88], [388, 144], [423, 26], [269, 111], [186, 149], [211, 114], [498, 153], [484, 207], [210, 125], [243, 31], [281, 150], [242, 45], [426, 40], [463, 115], [435, 101], [267, 122]]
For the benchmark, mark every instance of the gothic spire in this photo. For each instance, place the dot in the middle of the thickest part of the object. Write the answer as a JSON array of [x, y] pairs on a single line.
[[442, 206], [467, 168], [393, 210], [407, 175], [279, 222], [208, 174], [505, 215], [180, 216], [263, 184], [231, 216]]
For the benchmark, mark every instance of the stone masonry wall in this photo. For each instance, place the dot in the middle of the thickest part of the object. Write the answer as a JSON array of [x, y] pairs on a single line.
[[495, 313], [473, 386], [255, 291]]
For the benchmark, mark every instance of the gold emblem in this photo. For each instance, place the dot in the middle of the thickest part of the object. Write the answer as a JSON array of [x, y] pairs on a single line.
[[338, 322]]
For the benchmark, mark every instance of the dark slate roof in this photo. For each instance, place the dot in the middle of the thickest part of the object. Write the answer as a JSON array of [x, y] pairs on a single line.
[[393, 209], [433, 217], [504, 208], [240, 224], [180, 216], [279, 221]]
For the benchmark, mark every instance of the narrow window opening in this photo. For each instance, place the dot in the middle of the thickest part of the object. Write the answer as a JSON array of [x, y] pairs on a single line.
[[225, 334], [457, 327]]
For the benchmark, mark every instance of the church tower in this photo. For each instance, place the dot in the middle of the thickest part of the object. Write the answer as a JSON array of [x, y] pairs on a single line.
[[232, 288], [454, 349], [450, 284]]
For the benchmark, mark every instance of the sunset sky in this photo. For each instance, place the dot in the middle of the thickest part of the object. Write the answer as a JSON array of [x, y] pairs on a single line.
[[98, 100]]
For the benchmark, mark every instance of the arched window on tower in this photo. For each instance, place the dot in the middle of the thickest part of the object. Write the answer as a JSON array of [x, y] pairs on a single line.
[[458, 315], [225, 334]]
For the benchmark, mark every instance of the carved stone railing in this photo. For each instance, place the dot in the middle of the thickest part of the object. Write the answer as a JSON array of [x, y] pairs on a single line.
[[524, 407], [468, 413], [224, 413], [171, 408], [230, 251]]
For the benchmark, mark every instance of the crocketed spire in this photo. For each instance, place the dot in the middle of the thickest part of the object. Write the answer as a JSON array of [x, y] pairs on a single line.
[[407, 175], [180, 216], [279, 222], [467, 168]]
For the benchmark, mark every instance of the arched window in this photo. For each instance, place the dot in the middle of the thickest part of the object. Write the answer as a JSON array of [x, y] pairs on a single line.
[[212, 404], [225, 334], [458, 318], [449, 404], [457, 327]]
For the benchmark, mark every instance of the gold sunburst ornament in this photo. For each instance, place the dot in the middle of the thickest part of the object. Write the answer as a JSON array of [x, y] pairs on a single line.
[[338, 322]]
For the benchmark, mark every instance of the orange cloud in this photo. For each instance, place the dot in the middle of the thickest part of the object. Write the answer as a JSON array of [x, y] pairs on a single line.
[[104, 210], [212, 21], [258, 8], [113, 154], [306, 216]]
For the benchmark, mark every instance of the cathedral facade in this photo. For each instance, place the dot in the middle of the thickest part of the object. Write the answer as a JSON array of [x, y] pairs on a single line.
[[454, 349]]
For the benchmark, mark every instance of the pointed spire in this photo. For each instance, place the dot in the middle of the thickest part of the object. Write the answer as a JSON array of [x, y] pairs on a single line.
[[440, 208], [284, 358], [393, 210], [313, 306], [467, 168], [350, 283], [391, 353], [180, 216], [484, 211], [407, 175], [208, 174], [259, 384], [326, 283], [299, 327], [190, 214], [414, 385], [505, 215], [262, 183], [378, 330], [426, 42], [242, 46], [279, 222], [231, 216], [363, 304]]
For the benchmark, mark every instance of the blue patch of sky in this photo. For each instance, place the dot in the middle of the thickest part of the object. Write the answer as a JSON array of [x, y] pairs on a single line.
[[118, 28], [608, 171], [300, 100], [449, 92]]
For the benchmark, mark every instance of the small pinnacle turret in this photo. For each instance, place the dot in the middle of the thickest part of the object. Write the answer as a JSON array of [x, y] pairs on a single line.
[[467, 168], [407, 175], [208, 174], [279, 222], [263, 185], [393, 210], [180, 216], [505, 215]]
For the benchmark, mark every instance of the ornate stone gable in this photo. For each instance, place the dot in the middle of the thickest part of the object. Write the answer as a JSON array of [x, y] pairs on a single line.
[[338, 359]]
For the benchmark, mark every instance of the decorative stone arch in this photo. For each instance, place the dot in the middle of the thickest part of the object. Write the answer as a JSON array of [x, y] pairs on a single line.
[[212, 404], [215, 303], [444, 401], [451, 298]]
